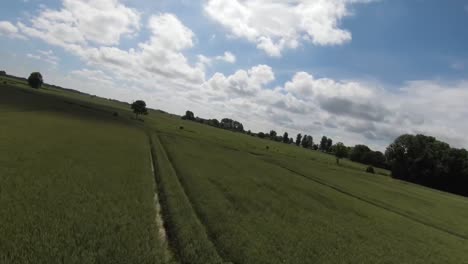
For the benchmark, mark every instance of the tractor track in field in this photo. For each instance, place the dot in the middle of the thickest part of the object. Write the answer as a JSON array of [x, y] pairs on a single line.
[[183, 184], [376, 204], [162, 234]]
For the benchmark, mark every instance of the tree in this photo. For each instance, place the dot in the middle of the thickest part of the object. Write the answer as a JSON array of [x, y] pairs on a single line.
[[323, 144], [189, 116], [261, 135], [298, 139], [3, 73], [358, 152], [341, 151], [329, 144], [310, 141], [285, 137], [304, 141], [291, 141], [35, 80], [139, 108], [272, 134]]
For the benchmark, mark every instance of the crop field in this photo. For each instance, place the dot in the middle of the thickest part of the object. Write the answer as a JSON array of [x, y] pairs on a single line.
[[76, 186], [290, 205]]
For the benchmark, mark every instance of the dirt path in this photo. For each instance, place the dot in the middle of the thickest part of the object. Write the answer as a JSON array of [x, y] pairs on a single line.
[[162, 235]]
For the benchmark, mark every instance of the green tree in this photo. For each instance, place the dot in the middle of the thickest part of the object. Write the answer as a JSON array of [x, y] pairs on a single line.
[[329, 144], [285, 137], [189, 115], [298, 139], [341, 151], [323, 144], [139, 108], [273, 134], [35, 80]]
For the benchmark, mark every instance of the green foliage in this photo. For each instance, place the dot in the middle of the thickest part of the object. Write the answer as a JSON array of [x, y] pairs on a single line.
[[139, 108], [324, 144], [188, 115], [35, 80], [285, 137], [340, 151], [298, 139], [427, 161]]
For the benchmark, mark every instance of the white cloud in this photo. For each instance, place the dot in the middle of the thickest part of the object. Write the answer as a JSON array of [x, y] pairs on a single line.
[[9, 30], [46, 56], [278, 25], [349, 111], [227, 57], [240, 83], [101, 22]]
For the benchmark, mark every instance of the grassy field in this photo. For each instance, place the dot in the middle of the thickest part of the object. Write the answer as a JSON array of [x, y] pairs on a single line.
[[290, 205], [75, 184], [76, 187]]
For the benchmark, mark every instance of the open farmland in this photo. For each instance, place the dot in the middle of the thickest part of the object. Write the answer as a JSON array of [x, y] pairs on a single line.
[[289, 205], [76, 186]]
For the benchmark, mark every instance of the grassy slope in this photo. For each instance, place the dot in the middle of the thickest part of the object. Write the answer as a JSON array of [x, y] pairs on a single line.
[[75, 186], [288, 205]]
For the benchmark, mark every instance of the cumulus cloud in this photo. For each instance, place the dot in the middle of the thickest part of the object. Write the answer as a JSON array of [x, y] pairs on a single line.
[[9, 30], [277, 25], [350, 111], [85, 21], [227, 57], [241, 82]]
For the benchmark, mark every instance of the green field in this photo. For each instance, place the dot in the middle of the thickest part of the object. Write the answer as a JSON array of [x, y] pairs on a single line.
[[76, 186]]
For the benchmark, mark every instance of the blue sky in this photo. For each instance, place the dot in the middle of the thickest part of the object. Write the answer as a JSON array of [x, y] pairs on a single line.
[[358, 71]]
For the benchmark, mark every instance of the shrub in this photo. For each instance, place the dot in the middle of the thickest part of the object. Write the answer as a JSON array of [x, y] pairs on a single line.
[[370, 169], [181, 127]]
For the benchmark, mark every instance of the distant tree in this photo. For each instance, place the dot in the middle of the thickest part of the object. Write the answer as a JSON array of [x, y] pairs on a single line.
[[35, 80], [329, 144], [139, 108], [323, 144], [189, 116], [261, 135], [285, 137], [272, 134], [237, 126], [304, 141], [340, 151], [3, 73], [214, 122], [315, 147], [310, 141], [358, 153], [291, 141], [298, 139]]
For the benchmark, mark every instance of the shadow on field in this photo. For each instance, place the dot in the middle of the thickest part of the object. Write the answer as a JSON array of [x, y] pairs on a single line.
[[14, 99]]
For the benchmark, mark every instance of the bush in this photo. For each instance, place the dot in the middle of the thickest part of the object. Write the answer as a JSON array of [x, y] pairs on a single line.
[[267, 147], [370, 169], [181, 127]]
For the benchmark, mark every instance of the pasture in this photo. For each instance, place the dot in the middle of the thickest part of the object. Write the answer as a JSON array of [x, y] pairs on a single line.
[[76, 186]]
